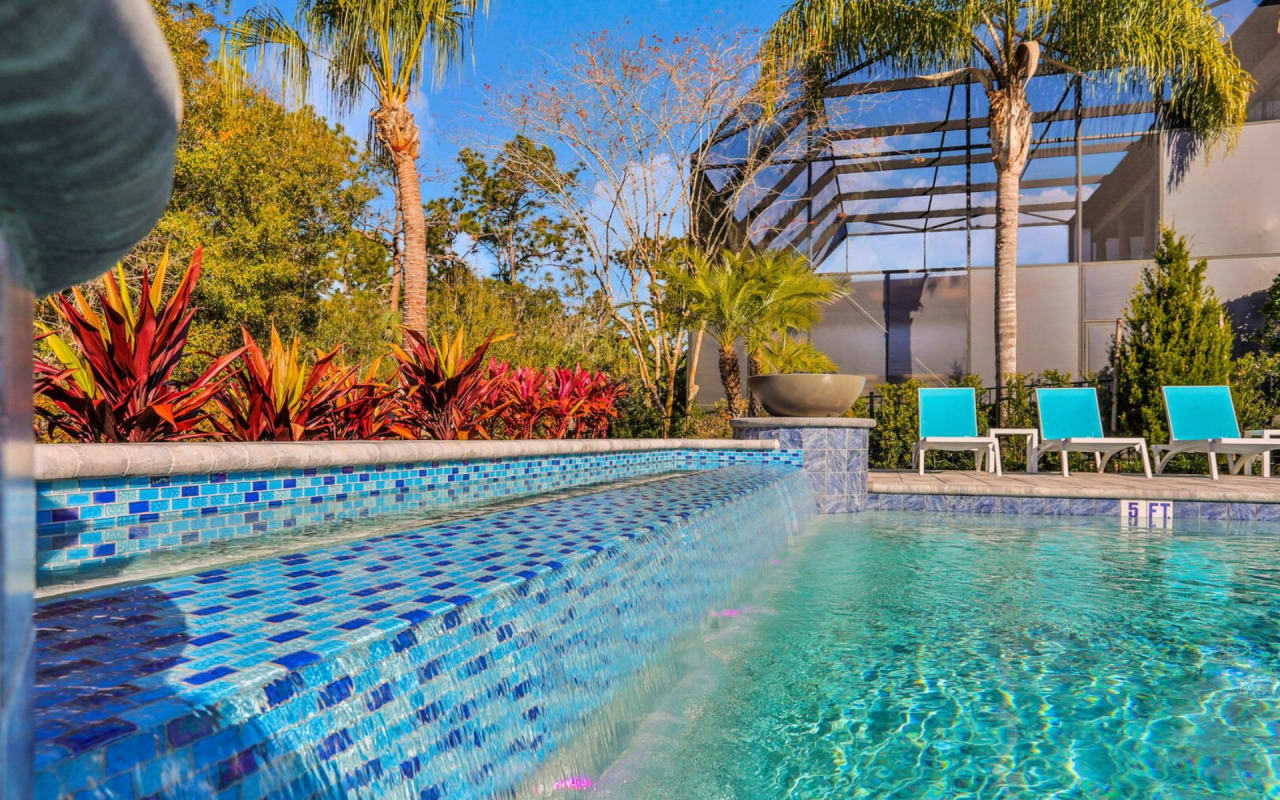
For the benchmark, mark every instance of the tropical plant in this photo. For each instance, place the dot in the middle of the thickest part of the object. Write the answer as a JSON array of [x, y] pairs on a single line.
[[114, 384], [275, 396], [446, 391], [581, 403], [1174, 49], [367, 406], [280, 200], [784, 353], [1176, 332], [748, 296], [523, 389], [378, 48]]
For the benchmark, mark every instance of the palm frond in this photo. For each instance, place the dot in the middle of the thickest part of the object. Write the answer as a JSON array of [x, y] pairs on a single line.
[[1175, 50]]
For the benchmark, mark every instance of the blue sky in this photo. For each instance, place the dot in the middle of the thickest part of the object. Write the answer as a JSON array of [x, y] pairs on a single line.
[[517, 37]]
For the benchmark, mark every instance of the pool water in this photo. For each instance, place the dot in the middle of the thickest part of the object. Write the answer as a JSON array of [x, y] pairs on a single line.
[[912, 656]]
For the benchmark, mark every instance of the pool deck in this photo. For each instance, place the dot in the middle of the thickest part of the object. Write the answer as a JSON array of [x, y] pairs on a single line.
[[1229, 488]]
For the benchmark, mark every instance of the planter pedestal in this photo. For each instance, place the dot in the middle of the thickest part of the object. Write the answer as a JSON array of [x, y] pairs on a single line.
[[834, 450]]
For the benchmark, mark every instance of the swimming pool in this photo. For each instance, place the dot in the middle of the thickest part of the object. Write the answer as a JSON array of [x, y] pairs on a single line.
[[899, 655]]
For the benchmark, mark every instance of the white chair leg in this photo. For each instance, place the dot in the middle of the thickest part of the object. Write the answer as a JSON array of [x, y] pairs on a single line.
[[1266, 464], [1146, 460], [919, 454], [1098, 463], [995, 459], [1213, 464], [978, 465], [1063, 455]]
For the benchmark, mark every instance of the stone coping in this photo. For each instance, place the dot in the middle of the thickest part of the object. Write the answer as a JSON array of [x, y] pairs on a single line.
[[1084, 485], [802, 422], [63, 461]]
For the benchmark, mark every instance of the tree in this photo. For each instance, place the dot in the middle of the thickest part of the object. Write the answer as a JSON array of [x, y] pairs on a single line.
[[276, 198], [639, 115], [503, 208], [1268, 334], [750, 296], [379, 49], [1176, 333], [1172, 48]]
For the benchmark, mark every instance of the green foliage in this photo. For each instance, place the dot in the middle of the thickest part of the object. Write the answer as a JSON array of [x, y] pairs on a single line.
[[276, 197], [1255, 387], [749, 296], [502, 206], [1268, 335], [1176, 333], [549, 332], [1173, 46], [787, 354]]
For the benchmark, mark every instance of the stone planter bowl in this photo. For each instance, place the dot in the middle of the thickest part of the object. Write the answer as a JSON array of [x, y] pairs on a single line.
[[806, 395]]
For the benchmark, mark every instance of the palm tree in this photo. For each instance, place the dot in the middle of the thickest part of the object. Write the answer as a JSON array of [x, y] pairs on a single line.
[[1173, 49], [747, 296], [367, 49]]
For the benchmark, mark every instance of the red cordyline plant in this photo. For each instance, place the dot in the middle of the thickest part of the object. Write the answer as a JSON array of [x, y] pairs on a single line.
[[368, 407], [446, 394], [114, 385], [553, 403], [274, 396], [523, 389], [582, 403]]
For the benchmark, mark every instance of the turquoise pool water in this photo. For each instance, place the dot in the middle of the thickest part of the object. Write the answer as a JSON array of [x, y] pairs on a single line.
[[928, 656]]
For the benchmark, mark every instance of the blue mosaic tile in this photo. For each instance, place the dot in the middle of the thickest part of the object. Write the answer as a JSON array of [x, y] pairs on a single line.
[[200, 509], [229, 702]]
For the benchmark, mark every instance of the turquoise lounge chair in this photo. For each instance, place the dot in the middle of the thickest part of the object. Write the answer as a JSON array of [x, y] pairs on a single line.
[[1202, 419], [1070, 423], [949, 421]]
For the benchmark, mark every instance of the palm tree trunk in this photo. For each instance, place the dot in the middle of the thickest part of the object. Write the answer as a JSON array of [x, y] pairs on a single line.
[[1010, 132], [754, 367], [399, 133], [1006, 321], [731, 379]]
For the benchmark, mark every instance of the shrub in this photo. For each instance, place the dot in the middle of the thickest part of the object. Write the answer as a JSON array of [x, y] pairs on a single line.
[[114, 385], [274, 396], [446, 393], [1176, 332], [367, 407]]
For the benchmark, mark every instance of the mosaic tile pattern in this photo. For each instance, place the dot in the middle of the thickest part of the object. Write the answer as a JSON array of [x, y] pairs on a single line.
[[1065, 506], [834, 458], [92, 523], [447, 661]]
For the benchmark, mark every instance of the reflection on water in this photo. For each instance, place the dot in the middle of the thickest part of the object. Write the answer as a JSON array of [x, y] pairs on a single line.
[[905, 656]]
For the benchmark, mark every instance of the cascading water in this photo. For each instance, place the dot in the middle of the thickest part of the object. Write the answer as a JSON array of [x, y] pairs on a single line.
[[528, 635]]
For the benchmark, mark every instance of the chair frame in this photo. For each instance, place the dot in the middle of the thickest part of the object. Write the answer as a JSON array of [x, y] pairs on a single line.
[[1104, 448], [982, 447], [1239, 450]]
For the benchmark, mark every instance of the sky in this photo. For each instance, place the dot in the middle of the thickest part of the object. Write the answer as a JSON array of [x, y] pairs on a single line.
[[518, 37]]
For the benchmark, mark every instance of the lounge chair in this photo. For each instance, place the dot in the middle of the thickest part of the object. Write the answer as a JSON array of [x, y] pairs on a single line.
[[949, 421], [1071, 423], [1202, 419]]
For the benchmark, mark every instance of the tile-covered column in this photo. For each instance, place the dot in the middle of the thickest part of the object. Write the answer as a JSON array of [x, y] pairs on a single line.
[[834, 450], [17, 530]]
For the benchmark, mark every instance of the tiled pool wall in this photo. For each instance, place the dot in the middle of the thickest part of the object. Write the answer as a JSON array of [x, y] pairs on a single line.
[[834, 451], [450, 701], [91, 523], [1190, 510]]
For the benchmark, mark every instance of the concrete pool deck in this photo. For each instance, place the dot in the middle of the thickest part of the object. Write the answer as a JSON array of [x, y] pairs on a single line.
[[1111, 486]]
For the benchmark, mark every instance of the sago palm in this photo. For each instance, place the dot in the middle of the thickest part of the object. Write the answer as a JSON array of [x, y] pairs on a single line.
[[1174, 50], [367, 50], [747, 296]]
